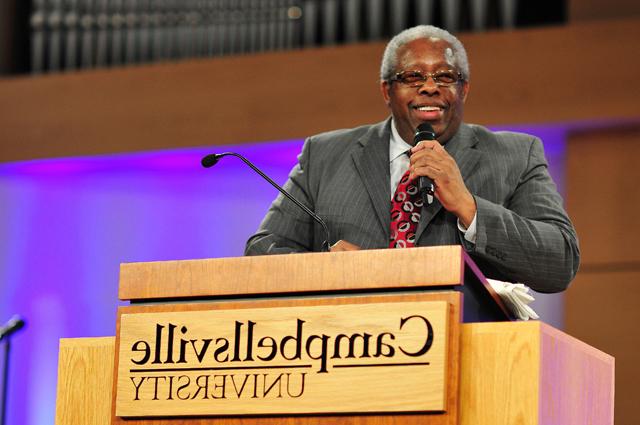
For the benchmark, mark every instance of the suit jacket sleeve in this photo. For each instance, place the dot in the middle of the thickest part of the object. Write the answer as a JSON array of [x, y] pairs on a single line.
[[527, 237]]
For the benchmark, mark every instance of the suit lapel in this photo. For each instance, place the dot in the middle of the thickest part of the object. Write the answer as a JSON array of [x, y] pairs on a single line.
[[462, 147], [372, 163]]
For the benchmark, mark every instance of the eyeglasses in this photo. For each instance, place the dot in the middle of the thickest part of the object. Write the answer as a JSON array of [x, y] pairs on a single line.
[[417, 79]]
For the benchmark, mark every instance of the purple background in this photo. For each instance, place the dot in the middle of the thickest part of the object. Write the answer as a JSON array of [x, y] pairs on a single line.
[[67, 224]]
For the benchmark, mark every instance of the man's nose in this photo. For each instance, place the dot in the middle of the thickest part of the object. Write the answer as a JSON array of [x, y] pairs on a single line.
[[429, 87]]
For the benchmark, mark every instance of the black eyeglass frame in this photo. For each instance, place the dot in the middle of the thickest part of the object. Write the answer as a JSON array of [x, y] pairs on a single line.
[[433, 75]]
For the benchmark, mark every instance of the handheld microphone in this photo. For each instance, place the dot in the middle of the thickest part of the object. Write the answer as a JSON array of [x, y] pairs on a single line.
[[13, 325], [212, 159], [425, 184]]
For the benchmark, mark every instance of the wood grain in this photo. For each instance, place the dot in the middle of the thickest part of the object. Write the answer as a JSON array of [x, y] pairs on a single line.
[[85, 377], [453, 298], [576, 382], [238, 383], [529, 373], [510, 373], [291, 273], [499, 374]]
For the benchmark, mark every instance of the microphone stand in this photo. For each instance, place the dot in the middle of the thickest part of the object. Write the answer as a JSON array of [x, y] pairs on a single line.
[[5, 380], [15, 324]]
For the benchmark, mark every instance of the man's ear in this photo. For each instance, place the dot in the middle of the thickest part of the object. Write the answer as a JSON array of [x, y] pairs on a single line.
[[385, 88], [465, 90]]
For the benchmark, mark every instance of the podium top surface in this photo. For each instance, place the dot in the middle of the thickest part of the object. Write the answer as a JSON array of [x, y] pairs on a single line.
[[295, 273]]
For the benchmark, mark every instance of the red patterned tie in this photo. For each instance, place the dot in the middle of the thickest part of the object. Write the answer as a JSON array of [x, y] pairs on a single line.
[[405, 214]]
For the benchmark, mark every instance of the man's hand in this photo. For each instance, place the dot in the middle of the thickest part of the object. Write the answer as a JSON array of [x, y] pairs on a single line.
[[343, 245], [430, 159]]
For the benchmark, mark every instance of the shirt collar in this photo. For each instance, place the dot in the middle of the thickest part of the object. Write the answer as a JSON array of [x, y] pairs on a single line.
[[397, 145]]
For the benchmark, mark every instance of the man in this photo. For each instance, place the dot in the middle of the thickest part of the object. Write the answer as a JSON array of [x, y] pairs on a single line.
[[493, 193]]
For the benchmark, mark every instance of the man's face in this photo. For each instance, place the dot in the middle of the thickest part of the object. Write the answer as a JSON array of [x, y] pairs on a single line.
[[440, 106]]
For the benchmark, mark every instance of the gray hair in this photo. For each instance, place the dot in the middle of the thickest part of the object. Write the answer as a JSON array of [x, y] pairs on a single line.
[[390, 56]]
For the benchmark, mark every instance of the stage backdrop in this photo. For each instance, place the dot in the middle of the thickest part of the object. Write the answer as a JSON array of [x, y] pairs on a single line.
[[67, 224]]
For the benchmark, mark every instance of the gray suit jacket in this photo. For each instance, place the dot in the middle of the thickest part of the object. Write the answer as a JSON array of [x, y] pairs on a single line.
[[523, 232]]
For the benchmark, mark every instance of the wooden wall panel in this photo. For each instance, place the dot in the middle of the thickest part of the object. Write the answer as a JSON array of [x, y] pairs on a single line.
[[602, 199], [601, 309], [527, 76], [582, 10], [603, 176]]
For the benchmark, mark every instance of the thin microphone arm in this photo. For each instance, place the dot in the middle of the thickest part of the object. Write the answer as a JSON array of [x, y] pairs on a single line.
[[13, 325], [212, 159]]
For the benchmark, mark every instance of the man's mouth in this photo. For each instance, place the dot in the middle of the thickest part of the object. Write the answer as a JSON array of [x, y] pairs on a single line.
[[429, 112], [429, 108]]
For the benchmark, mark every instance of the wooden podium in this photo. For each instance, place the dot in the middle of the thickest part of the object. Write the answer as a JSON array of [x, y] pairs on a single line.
[[500, 372]]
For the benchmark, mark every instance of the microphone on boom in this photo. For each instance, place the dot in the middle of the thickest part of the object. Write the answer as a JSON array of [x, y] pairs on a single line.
[[212, 159]]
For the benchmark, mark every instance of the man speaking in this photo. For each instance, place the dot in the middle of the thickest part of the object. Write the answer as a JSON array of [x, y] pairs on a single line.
[[492, 192]]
